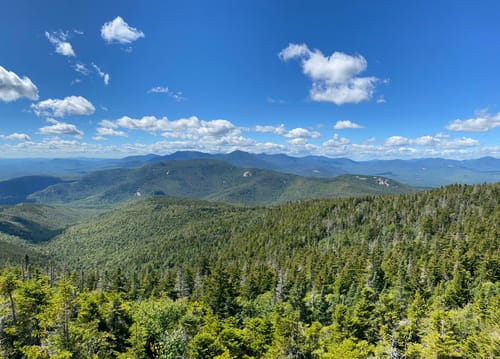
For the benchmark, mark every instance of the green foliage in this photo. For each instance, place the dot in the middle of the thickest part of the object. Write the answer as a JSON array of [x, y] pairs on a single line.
[[208, 179], [36, 222], [408, 276]]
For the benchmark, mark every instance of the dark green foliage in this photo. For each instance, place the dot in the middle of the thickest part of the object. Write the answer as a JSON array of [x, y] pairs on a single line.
[[208, 179], [36, 222], [411, 276]]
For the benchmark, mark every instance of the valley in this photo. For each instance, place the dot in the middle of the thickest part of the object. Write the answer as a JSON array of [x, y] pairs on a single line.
[[254, 257]]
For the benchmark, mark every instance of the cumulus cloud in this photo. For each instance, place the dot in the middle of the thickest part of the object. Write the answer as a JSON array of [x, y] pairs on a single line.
[[184, 128], [396, 141], [71, 105], [342, 125], [302, 133], [146, 123], [282, 131], [439, 141], [427, 141], [460, 143], [60, 128], [102, 132], [335, 77], [293, 51], [336, 141], [16, 137], [188, 137], [300, 146], [481, 123], [176, 95], [12, 87], [59, 40], [119, 31], [102, 74]]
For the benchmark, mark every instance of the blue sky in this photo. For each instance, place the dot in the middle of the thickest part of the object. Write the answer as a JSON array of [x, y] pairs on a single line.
[[357, 79]]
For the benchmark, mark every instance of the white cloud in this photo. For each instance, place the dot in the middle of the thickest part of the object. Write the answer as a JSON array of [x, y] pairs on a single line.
[[396, 141], [186, 134], [58, 39], [460, 143], [342, 125], [217, 128], [427, 141], [72, 105], [159, 89], [482, 123], [84, 70], [282, 131], [336, 141], [102, 74], [176, 95], [119, 31], [302, 133], [355, 91], [16, 137], [381, 99], [300, 146], [60, 128], [12, 87], [185, 128], [81, 68], [438, 141], [108, 124], [279, 130], [293, 51], [101, 132], [335, 77], [298, 142], [146, 123]]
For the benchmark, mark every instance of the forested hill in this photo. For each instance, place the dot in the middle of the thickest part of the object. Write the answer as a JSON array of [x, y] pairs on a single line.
[[393, 276], [208, 179], [423, 228]]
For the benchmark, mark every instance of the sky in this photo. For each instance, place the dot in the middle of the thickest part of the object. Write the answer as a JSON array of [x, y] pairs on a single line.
[[358, 79]]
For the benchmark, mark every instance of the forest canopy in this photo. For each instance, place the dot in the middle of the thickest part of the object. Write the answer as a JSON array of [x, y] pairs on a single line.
[[393, 276]]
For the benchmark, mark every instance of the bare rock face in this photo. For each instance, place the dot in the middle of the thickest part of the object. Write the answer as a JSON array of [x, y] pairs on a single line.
[[383, 182]]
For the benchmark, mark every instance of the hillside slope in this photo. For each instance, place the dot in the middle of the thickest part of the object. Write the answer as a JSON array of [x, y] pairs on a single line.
[[208, 179], [168, 232], [36, 222], [17, 190], [415, 275], [423, 172]]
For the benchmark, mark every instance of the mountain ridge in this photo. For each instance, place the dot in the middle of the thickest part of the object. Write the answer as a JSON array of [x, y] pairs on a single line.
[[411, 171], [208, 179]]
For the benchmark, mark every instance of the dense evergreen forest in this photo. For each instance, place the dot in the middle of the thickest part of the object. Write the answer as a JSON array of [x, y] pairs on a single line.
[[388, 276]]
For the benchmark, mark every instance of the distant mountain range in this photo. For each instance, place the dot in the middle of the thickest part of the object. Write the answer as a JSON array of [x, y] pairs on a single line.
[[426, 172]]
